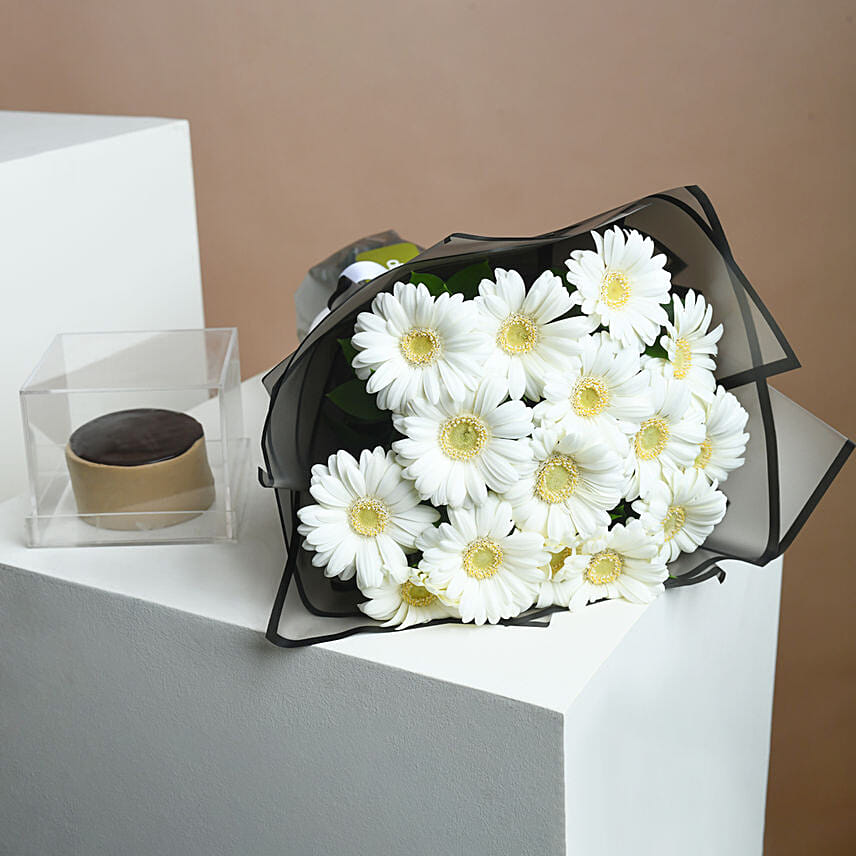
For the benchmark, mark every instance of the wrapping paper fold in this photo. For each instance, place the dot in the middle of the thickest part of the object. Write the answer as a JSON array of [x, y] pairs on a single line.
[[791, 459]]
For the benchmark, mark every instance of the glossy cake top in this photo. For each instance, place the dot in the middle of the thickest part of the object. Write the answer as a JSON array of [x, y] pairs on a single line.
[[132, 438]]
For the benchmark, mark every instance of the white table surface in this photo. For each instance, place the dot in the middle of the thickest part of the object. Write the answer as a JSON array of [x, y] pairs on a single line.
[[161, 721], [24, 134]]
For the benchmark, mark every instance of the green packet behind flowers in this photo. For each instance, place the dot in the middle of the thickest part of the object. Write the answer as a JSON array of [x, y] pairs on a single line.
[[391, 255]]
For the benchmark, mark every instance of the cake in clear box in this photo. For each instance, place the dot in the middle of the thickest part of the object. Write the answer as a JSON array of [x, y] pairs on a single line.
[[135, 437]]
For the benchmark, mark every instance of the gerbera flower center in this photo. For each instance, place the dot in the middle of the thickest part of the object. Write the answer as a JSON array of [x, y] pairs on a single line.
[[615, 289], [557, 560], [604, 567], [416, 595], [704, 455], [590, 396], [368, 516], [518, 334], [482, 558], [674, 521], [420, 346], [463, 437], [683, 360], [557, 478], [652, 438]]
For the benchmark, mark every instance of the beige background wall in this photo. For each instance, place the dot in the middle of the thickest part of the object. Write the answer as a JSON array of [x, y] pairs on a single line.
[[315, 123]]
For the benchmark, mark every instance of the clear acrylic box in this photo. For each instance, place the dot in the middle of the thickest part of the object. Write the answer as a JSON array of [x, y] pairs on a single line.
[[78, 498]]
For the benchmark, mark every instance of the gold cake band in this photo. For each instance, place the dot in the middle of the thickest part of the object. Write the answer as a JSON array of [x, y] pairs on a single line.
[[180, 484]]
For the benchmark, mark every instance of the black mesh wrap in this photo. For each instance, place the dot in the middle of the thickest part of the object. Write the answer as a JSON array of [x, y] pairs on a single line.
[[791, 459]]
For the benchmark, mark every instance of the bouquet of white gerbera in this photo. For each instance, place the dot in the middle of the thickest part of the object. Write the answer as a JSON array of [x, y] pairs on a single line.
[[550, 445], [530, 425]]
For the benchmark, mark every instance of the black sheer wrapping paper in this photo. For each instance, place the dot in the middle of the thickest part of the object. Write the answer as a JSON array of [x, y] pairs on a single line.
[[791, 459]]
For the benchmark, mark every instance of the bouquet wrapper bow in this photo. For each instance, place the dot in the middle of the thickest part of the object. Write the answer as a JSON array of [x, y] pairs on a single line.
[[790, 461]]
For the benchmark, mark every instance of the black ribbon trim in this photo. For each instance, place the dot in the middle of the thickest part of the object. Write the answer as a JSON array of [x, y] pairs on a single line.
[[705, 571]]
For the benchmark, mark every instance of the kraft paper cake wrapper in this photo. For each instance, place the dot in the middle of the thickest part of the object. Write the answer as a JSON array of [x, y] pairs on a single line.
[[791, 459]]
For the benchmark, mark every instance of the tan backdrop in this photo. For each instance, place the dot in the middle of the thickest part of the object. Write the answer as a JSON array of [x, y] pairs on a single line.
[[316, 122]]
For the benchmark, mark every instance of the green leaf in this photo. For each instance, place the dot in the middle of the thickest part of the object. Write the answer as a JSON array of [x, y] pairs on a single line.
[[467, 281], [353, 397], [577, 308], [434, 284], [657, 350], [347, 349], [623, 511]]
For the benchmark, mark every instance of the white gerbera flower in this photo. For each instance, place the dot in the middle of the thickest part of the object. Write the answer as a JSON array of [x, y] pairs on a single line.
[[602, 391], [528, 341], [622, 285], [621, 563], [690, 347], [558, 584], [684, 508], [405, 604], [670, 438], [725, 440], [455, 451], [412, 345], [367, 516], [567, 486], [478, 563]]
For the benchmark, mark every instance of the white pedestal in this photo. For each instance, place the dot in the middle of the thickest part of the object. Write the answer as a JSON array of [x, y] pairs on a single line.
[[97, 232], [142, 713]]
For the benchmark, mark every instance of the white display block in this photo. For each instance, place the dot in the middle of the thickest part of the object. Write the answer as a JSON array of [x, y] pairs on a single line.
[[97, 233], [142, 712]]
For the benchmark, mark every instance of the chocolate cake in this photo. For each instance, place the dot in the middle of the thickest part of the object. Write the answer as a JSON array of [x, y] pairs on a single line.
[[128, 464]]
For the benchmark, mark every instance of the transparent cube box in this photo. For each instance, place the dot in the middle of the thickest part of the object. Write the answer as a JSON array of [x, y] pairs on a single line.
[[126, 379]]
